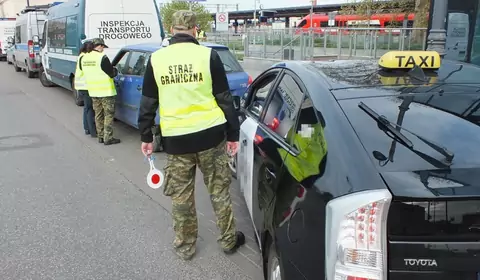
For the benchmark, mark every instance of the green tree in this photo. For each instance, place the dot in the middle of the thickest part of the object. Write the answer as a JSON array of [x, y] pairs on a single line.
[[168, 9]]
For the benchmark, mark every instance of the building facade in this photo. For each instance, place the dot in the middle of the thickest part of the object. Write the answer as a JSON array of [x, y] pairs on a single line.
[[10, 8]]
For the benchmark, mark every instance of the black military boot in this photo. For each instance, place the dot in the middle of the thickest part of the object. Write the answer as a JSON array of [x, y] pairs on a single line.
[[240, 242], [112, 141], [100, 140]]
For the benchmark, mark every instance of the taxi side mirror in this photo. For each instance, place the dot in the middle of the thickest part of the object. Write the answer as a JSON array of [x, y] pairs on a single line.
[[236, 103]]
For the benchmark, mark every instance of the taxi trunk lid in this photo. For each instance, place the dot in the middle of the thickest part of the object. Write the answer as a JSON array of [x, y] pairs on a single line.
[[434, 224]]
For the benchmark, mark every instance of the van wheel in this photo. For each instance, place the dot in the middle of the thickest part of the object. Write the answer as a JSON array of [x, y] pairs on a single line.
[[30, 74], [274, 269], [76, 96], [17, 69], [43, 79]]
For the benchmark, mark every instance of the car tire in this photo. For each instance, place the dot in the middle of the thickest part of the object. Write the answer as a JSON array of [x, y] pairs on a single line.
[[9, 62], [17, 69], [76, 96], [274, 269], [30, 74], [232, 164], [43, 79]]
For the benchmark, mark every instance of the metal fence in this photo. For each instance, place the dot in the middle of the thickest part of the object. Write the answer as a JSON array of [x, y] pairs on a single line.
[[313, 44]]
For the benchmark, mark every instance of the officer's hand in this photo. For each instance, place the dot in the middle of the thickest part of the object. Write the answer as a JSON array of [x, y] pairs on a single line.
[[147, 149], [232, 148], [115, 71]]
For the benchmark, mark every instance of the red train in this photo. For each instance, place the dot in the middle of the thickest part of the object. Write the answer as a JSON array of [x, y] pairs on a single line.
[[319, 22]]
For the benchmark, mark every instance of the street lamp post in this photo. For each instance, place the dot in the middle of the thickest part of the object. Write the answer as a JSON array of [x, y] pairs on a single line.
[[254, 13], [437, 36]]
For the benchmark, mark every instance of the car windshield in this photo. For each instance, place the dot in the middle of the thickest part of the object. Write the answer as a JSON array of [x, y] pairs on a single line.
[[230, 63]]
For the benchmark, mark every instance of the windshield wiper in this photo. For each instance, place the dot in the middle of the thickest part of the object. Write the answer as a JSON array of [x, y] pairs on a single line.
[[386, 126]]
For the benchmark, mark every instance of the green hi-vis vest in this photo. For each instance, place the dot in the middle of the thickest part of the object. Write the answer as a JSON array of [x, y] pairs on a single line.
[[99, 84], [79, 81], [313, 149], [186, 101]]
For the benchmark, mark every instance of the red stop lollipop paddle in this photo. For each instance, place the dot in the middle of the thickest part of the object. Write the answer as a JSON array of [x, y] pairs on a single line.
[[155, 177]]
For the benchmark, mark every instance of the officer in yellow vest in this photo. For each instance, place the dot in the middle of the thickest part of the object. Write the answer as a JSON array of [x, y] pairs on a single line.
[[81, 87], [201, 35], [99, 74], [199, 126]]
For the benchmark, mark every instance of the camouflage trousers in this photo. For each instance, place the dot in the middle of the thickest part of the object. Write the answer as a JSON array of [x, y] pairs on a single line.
[[104, 108], [180, 185]]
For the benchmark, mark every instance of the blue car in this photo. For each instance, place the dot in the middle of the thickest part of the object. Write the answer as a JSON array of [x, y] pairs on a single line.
[[131, 62]]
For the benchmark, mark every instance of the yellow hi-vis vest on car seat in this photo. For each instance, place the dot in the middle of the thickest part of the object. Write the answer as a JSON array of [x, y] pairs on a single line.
[[186, 101], [79, 82], [99, 84], [312, 148]]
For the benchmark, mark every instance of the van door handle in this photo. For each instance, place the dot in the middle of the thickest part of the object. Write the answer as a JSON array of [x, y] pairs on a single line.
[[139, 88], [244, 142]]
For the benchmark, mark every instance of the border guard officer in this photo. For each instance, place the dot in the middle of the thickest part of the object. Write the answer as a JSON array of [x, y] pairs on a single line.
[[199, 125]]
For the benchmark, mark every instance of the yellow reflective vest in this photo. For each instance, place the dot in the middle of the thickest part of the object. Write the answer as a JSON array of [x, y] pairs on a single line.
[[186, 101], [201, 35], [99, 84], [79, 82], [313, 149]]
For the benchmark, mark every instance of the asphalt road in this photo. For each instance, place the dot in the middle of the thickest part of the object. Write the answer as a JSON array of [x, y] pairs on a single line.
[[71, 208]]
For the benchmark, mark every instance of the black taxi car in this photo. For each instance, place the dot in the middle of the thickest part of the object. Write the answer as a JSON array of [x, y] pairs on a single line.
[[364, 170]]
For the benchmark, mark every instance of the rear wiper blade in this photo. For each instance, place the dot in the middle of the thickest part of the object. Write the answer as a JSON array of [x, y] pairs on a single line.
[[387, 126]]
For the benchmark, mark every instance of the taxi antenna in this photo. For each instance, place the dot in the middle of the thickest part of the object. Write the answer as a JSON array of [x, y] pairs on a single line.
[[417, 73]]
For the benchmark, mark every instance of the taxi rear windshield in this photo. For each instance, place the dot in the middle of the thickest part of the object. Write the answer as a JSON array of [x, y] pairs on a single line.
[[230, 63]]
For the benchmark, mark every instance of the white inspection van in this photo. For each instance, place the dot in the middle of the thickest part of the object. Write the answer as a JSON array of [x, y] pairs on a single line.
[[7, 30], [28, 32], [118, 22]]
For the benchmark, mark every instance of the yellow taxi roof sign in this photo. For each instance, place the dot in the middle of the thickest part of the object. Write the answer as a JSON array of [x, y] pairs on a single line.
[[408, 59], [405, 81]]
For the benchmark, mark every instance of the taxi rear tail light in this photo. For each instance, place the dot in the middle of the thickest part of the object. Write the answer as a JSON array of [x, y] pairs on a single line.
[[356, 236], [30, 49]]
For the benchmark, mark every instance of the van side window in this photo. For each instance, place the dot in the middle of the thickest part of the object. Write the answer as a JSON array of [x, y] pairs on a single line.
[[121, 64], [71, 32], [44, 34], [18, 34], [56, 32], [136, 64]]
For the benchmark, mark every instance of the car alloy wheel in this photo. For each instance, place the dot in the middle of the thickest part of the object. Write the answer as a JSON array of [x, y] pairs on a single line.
[[275, 273]]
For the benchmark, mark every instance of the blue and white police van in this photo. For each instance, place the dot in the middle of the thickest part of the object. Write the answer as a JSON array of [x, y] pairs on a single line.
[[118, 22]]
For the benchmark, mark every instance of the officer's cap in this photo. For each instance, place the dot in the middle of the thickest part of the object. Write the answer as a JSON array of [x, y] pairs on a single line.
[[99, 42], [184, 20]]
